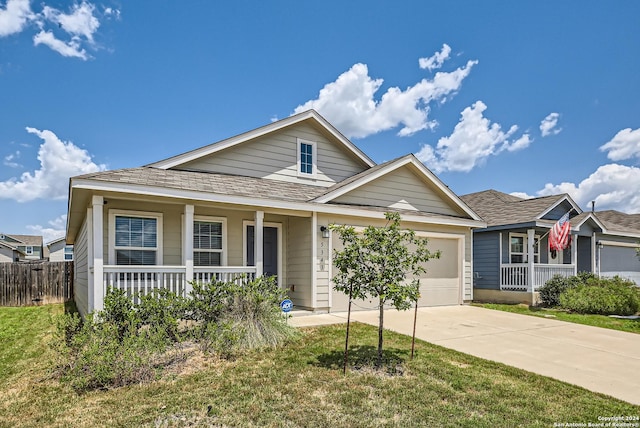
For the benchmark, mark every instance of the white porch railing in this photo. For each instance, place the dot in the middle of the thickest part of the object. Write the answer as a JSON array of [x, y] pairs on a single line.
[[515, 276], [225, 274], [141, 280]]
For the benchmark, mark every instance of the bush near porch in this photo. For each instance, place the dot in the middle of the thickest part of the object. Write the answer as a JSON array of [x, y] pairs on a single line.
[[129, 343], [586, 293]]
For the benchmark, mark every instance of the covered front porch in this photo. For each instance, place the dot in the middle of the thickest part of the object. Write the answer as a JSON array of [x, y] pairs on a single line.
[[141, 246], [526, 264]]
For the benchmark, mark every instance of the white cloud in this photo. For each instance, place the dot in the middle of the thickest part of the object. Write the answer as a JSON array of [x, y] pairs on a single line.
[[112, 13], [624, 145], [522, 195], [65, 33], [473, 139], [350, 105], [10, 160], [57, 229], [71, 48], [79, 23], [14, 17], [434, 62], [59, 160], [548, 125], [612, 186]]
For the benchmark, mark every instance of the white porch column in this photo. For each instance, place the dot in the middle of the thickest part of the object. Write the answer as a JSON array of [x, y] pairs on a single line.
[[97, 204], [258, 242], [530, 260], [187, 247], [499, 258], [574, 253]]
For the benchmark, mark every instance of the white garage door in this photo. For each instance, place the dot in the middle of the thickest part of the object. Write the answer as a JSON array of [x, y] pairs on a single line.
[[439, 286]]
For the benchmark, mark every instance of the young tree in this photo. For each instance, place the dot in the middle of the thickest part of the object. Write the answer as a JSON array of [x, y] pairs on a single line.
[[376, 263]]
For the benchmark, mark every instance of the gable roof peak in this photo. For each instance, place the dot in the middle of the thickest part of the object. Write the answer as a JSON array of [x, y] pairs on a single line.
[[308, 115]]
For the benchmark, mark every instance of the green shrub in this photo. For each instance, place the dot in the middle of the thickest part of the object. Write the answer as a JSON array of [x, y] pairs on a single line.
[[129, 343], [95, 356], [220, 338], [604, 296], [162, 309], [550, 292], [209, 300], [119, 311]]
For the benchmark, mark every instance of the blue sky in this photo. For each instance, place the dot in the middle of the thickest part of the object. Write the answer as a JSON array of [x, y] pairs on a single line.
[[534, 97]]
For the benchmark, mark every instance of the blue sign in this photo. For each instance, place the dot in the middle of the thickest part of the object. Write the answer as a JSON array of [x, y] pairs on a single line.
[[286, 305]]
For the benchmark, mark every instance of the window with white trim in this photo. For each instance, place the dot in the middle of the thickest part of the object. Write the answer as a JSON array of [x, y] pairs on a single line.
[[68, 252], [518, 248], [307, 154], [136, 240], [29, 250], [208, 242]]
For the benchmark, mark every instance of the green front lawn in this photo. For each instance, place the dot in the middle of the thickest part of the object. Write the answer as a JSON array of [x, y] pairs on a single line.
[[300, 385], [628, 325]]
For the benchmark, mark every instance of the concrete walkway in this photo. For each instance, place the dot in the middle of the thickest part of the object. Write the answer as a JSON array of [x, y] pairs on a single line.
[[598, 359]]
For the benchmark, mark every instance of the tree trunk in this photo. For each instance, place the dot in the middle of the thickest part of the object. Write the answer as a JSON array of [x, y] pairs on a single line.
[[380, 328]]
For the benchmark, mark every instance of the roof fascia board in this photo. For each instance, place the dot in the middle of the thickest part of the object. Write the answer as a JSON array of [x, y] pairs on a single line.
[[593, 218], [558, 202], [264, 203], [621, 233], [259, 132], [406, 160]]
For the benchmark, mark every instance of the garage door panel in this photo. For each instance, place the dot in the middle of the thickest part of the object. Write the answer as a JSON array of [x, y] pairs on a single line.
[[439, 292], [439, 286]]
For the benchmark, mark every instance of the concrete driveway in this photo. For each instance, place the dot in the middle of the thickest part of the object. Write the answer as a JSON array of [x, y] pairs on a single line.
[[597, 359]]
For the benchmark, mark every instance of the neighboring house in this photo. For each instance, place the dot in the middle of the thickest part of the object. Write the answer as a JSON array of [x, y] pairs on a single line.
[[259, 203], [59, 251], [512, 253], [29, 245], [10, 253], [616, 249]]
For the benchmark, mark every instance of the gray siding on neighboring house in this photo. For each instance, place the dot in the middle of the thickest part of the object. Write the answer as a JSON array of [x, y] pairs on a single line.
[[584, 254], [400, 189], [486, 260], [81, 270], [620, 260], [275, 156]]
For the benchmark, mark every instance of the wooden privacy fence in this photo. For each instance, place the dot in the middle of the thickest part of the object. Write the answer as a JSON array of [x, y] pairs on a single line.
[[35, 283]]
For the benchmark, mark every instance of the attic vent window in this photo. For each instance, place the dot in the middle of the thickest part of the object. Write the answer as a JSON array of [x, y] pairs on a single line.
[[307, 155]]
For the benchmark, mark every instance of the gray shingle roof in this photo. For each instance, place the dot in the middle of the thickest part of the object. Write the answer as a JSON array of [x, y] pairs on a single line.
[[497, 208], [226, 184], [619, 222], [217, 183], [29, 240]]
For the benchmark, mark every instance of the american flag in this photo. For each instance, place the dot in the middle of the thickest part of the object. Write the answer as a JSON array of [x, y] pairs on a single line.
[[559, 234]]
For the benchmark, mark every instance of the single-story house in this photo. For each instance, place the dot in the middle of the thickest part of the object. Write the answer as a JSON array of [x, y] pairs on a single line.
[[259, 203], [29, 246], [59, 251], [511, 255]]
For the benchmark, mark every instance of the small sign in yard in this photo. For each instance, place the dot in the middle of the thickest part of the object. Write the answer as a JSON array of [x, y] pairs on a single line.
[[286, 305]]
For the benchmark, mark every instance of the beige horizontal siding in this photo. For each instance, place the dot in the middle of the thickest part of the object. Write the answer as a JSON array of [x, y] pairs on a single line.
[[401, 189], [275, 157]]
